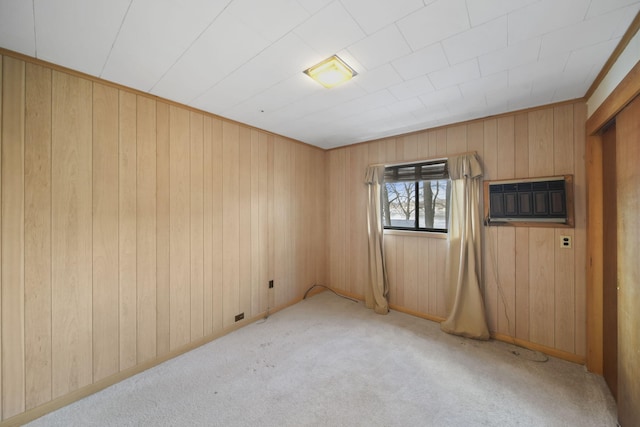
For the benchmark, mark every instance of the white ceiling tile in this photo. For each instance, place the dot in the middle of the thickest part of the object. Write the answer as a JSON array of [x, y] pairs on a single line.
[[538, 71], [589, 59], [378, 78], [600, 7], [202, 66], [510, 57], [537, 18], [481, 11], [312, 6], [485, 84], [364, 103], [283, 59], [77, 34], [477, 41], [272, 19], [442, 96], [424, 61], [282, 94], [570, 91], [381, 47], [154, 35], [330, 30], [17, 27], [585, 33], [626, 20], [412, 88], [503, 96], [459, 73], [372, 16], [435, 22]]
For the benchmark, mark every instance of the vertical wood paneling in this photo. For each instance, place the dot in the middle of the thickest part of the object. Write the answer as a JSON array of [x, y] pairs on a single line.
[[541, 286], [244, 217], [163, 277], [1, 102], [127, 238], [230, 222], [146, 229], [71, 242], [217, 220], [259, 232], [123, 218], [283, 219], [521, 168], [521, 266], [541, 158], [410, 268], [456, 139], [37, 235], [424, 284], [399, 285], [179, 215], [197, 225], [357, 243], [207, 294], [564, 294], [490, 242], [270, 219], [12, 156], [106, 357], [475, 138], [563, 143], [442, 287], [336, 218], [390, 245], [505, 250], [580, 209], [434, 286], [522, 283]]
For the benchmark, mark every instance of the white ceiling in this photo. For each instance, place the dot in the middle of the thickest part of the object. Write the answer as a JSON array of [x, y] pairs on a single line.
[[421, 63]]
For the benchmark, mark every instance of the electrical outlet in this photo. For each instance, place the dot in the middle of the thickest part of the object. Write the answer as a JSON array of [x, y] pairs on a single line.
[[270, 284], [239, 316], [565, 242]]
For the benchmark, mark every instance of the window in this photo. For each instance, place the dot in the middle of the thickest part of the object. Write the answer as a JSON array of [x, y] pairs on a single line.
[[416, 197]]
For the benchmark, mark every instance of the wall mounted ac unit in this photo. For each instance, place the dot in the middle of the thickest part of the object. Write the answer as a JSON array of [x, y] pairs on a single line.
[[543, 202]]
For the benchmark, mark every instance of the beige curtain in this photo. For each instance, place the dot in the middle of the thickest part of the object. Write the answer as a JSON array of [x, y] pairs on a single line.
[[375, 295], [466, 307]]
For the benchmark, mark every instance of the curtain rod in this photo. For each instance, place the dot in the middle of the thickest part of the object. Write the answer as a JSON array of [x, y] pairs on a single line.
[[431, 159]]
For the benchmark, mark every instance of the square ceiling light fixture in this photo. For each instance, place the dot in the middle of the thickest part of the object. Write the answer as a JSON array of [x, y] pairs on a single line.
[[331, 72]]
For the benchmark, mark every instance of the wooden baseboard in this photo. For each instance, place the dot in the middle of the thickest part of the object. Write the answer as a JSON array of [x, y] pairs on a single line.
[[90, 389]]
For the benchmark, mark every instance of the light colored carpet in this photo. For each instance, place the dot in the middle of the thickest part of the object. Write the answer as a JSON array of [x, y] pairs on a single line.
[[330, 362]]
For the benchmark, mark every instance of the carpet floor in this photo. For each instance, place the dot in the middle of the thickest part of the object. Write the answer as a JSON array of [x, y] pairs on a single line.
[[328, 361]]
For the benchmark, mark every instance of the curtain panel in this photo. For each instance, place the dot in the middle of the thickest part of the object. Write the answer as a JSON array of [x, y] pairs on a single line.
[[464, 260], [375, 295]]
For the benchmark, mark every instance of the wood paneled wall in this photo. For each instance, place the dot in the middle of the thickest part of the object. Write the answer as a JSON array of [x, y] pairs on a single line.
[[132, 228], [534, 290]]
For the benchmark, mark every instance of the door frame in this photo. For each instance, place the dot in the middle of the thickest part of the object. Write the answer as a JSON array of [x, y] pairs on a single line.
[[621, 96]]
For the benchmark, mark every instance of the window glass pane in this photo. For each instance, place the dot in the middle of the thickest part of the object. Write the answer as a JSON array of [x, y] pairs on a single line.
[[399, 204], [433, 204]]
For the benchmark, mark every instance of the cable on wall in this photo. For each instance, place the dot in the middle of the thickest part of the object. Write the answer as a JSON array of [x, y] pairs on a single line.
[[326, 287], [539, 357]]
